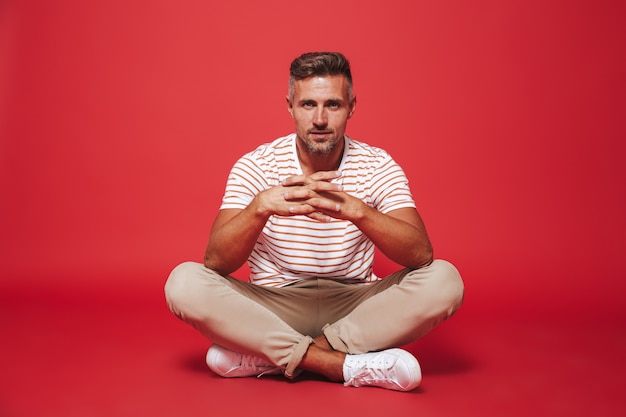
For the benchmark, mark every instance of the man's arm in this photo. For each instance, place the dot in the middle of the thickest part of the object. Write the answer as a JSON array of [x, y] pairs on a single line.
[[232, 239], [399, 234], [235, 231]]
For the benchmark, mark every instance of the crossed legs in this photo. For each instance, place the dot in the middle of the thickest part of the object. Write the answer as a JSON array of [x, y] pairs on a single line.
[[283, 325]]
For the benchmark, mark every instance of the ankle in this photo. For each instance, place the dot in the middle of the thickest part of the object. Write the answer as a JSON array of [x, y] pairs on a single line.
[[325, 362], [321, 342]]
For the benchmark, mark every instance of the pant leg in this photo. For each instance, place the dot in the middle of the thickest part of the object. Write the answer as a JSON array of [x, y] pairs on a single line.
[[402, 308], [212, 305]]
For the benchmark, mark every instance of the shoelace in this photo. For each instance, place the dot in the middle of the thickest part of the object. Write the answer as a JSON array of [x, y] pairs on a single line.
[[254, 363], [374, 371], [250, 362]]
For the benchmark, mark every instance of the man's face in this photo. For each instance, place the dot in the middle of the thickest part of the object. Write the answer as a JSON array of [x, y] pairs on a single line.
[[321, 107]]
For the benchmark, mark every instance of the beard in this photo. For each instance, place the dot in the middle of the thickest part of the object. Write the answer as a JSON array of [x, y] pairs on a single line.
[[321, 147]]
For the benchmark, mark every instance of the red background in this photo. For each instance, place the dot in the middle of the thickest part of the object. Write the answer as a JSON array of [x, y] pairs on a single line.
[[122, 118], [119, 121]]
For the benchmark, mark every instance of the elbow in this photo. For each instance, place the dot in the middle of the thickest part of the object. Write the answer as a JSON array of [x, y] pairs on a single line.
[[423, 257], [419, 257], [210, 266], [216, 264], [212, 263]]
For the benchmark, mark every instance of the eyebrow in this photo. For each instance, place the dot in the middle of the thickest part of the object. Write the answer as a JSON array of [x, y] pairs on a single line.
[[328, 100]]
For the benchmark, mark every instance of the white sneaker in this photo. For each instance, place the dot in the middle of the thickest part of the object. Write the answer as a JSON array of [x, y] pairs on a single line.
[[394, 369], [231, 364]]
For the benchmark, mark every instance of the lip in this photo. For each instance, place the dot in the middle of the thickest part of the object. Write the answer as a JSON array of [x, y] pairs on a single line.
[[319, 137]]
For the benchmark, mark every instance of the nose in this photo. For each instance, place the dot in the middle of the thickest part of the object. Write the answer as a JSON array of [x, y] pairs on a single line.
[[320, 118]]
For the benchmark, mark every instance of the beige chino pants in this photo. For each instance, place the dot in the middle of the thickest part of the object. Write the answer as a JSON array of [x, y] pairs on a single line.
[[279, 324]]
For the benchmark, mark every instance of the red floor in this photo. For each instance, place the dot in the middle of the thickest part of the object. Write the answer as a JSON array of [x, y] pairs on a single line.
[[106, 355]]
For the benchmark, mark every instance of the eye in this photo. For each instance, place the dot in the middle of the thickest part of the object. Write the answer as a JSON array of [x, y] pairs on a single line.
[[333, 105], [308, 104]]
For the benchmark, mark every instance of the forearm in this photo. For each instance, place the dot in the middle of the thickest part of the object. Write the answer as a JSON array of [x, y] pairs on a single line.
[[235, 232], [399, 235], [232, 239]]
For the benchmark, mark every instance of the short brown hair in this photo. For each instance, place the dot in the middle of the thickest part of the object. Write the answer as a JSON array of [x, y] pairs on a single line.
[[312, 64]]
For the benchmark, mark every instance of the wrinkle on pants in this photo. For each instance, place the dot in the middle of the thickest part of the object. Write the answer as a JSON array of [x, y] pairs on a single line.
[[279, 324]]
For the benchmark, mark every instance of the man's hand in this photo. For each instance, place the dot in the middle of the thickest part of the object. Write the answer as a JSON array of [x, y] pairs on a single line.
[[317, 197]]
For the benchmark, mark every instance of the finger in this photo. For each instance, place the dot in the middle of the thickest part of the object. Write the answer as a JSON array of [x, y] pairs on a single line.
[[325, 186], [298, 194], [319, 217], [301, 209], [315, 205], [322, 204], [326, 175], [294, 180], [318, 176], [317, 191]]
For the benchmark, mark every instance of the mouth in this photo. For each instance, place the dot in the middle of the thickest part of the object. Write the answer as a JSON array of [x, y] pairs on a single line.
[[320, 133]]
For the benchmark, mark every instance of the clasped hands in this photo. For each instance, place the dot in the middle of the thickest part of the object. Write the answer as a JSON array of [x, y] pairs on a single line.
[[314, 196]]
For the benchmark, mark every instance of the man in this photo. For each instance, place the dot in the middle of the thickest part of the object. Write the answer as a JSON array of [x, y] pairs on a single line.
[[306, 212]]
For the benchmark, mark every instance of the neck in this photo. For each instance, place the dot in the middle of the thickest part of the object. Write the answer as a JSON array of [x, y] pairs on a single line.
[[315, 162]]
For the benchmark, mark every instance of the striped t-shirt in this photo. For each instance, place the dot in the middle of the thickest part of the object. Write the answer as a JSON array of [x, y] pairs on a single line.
[[294, 248]]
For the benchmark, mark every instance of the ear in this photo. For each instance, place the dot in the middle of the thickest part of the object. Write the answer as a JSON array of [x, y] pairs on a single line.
[[352, 107], [289, 106]]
